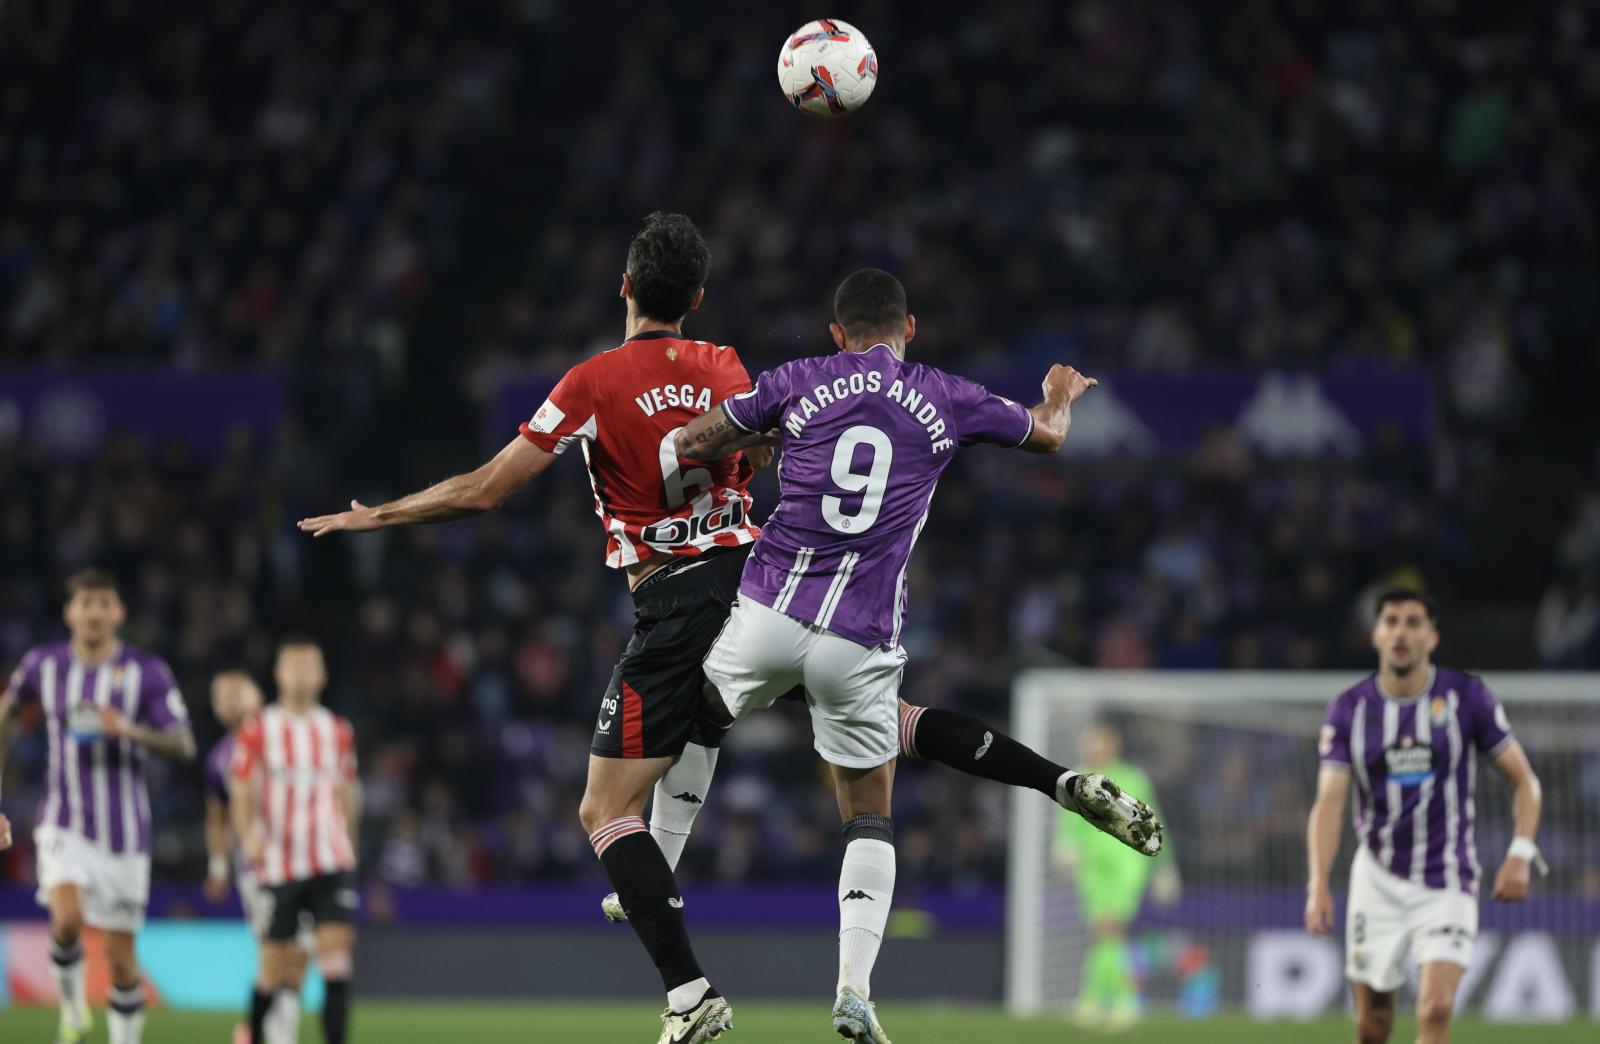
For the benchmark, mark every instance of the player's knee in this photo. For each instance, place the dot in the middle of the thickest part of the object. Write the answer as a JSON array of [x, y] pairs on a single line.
[[1434, 1010], [594, 812], [1374, 1026], [336, 964], [66, 928]]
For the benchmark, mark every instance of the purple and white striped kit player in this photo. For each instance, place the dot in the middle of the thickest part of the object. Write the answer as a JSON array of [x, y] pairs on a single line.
[[95, 786], [866, 437], [1414, 766]]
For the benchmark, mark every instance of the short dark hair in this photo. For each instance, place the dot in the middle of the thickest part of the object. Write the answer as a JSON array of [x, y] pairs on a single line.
[[297, 639], [91, 579], [870, 301], [668, 261], [1395, 595]]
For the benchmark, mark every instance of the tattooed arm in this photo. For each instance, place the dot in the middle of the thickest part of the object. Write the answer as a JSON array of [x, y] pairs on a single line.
[[712, 436]]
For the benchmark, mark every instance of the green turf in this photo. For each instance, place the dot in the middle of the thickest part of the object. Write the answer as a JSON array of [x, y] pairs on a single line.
[[597, 1022]]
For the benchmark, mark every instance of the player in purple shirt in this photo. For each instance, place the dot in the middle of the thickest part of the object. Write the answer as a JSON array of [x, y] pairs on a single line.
[[1409, 736], [106, 707], [822, 600]]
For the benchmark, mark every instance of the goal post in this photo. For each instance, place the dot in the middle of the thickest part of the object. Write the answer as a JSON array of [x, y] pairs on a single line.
[[1232, 760]]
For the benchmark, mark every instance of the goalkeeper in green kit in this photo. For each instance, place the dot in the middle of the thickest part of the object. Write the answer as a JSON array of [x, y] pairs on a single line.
[[1111, 881]]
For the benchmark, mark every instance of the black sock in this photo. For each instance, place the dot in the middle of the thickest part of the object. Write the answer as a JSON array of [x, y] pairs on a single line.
[[335, 1010], [968, 745], [644, 883], [260, 1004]]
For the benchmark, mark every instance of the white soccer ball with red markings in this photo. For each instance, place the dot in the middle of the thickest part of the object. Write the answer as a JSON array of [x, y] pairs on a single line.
[[827, 68]]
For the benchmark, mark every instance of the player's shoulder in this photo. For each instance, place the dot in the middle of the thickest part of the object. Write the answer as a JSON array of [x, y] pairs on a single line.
[[146, 660], [1464, 682], [47, 651], [334, 718], [1361, 690]]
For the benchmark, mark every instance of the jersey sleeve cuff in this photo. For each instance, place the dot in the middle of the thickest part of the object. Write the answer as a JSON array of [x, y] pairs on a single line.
[[1336, 762], [734, 420], [545, 441], [1502, 745], [1027, 434]]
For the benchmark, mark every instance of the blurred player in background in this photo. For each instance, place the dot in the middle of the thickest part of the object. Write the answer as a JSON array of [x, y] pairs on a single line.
[[1111, 883], [106, 707], [1408, 734], [295, 801], [235, 698], [822, 599]]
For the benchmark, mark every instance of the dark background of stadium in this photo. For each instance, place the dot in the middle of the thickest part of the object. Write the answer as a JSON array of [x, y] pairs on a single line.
[[397, 208]]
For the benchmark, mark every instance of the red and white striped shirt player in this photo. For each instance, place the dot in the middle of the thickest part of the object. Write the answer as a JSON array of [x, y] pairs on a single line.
[[295, 764]]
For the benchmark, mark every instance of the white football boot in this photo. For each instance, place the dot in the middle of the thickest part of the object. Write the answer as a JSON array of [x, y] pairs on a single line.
[[611, 906], [856, 1019], [708, 1020], [1112, 810]]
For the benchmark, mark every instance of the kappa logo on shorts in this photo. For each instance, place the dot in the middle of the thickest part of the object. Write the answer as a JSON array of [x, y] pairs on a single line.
[[856, 893], [687, 798]]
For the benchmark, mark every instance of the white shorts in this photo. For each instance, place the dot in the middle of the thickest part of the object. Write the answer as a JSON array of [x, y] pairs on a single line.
[[853, 691], [1390, 918], [116, 888], [257, 904]]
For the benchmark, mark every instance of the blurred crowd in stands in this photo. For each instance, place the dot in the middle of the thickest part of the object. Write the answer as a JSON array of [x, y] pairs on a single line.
[[399, 212]]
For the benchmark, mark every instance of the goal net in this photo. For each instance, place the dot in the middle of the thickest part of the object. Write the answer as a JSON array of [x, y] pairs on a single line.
[[1217, 923]]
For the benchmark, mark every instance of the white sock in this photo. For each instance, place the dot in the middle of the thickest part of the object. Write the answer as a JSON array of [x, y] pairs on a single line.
[[283, 1021], [680, 795], [866, 888], [69, 983], [125, 1014], [685, 997]]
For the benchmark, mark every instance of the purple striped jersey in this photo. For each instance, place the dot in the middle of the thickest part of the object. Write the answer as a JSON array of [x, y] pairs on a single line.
[[95, 787], [866, 436], [1415, 772]]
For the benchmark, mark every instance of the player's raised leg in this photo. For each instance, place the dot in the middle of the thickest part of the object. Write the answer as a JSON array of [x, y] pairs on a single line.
[[969, 745], [125, 1010], [866, 890], [612, 807], [1374, 1013], [66, 951]]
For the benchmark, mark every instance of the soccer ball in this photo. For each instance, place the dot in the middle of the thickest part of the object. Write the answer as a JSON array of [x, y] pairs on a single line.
[[827, 68]]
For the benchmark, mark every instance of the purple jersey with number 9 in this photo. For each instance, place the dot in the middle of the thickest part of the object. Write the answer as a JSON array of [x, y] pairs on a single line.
[[866, 436]]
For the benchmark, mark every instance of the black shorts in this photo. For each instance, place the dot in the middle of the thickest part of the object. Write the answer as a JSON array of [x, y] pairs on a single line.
[[654, 704], [328, 898]]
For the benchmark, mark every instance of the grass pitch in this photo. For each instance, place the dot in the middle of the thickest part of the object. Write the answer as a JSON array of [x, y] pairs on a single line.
[[604, 1022]]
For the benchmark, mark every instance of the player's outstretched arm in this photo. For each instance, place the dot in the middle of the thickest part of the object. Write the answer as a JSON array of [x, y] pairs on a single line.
[[1052, 418], [1322, 844], [1527, 801], [712, 436], [463, 496], [5, 833]]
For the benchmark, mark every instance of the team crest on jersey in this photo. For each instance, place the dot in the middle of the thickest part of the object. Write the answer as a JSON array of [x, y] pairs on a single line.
[[1325, 741], [1438, 709], [672, 354]]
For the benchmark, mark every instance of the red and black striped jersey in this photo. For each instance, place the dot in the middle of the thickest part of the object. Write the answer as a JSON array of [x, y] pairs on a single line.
[[625, 407]]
